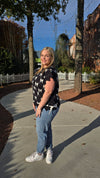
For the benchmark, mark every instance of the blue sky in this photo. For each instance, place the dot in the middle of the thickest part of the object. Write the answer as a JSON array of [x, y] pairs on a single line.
[[46, 33]]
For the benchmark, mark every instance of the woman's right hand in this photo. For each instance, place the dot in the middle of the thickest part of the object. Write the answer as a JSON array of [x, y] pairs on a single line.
[[34, 107]]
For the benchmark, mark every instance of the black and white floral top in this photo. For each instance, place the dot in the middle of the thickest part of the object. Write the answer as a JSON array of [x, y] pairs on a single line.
[[38, 83]]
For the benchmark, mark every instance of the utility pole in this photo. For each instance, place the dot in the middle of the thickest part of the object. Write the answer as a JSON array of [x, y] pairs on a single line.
[[55, 30], [79, 47]]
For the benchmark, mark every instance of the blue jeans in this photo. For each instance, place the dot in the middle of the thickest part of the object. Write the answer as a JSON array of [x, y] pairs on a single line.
[[44, 130]]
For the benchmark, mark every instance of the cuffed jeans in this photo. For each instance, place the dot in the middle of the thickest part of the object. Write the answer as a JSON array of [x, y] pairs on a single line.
[[44, 130]]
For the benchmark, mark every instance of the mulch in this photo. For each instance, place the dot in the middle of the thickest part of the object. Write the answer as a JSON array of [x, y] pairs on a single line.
[[90, 96]]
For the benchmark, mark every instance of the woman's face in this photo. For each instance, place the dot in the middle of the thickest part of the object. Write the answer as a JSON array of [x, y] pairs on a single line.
[[45, 58]]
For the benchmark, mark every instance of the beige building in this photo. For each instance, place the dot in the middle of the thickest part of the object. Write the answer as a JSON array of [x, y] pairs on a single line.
[[72, 46]]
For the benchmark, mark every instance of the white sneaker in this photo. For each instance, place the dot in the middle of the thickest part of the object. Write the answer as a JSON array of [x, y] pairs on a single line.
[[49, 156], [34, 157]]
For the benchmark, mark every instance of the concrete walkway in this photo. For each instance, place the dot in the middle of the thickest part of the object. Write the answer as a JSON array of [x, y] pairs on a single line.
[[76, 140]]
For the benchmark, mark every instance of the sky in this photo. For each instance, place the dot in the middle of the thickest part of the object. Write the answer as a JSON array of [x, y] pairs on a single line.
[[46, 33]]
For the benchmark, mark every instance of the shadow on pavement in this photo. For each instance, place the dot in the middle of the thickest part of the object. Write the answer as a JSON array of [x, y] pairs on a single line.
[[59, 148], [24, 114], [8, 167]]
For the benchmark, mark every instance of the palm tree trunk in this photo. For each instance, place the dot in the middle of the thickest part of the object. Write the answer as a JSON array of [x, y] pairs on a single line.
[[30, 44], [79, 47]]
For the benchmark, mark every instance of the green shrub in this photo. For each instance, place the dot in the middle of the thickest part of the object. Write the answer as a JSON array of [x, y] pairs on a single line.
[[86, 69], [6, 61], [62, 69], [71, 70], [95, 79]]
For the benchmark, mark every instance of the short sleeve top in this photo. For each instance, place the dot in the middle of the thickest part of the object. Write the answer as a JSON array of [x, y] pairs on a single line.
[[38, 83]]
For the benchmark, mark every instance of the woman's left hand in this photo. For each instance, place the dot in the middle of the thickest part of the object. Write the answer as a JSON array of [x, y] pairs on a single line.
[[38, 112]]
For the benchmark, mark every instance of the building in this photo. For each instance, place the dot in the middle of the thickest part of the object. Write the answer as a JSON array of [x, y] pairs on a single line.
[[91, 40], [72, 46]]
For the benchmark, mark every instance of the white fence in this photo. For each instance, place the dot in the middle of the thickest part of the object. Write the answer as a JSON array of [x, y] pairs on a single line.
[[13, 78], [71, 76], [25, 77]]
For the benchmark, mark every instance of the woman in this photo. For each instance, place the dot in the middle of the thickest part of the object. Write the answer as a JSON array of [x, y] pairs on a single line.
[[45, 104]]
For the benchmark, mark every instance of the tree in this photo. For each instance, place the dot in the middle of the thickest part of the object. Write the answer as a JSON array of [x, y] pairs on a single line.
[[12, 37], [79, 47], [43, 10], [7, 62], [61, 50], [63, 62]]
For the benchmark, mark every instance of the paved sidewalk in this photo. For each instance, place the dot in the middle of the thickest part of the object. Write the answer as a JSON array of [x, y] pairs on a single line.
[[65, 85], [76, 140]]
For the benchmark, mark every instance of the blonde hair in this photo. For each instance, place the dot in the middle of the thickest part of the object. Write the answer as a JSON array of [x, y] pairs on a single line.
[[51, 52]]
